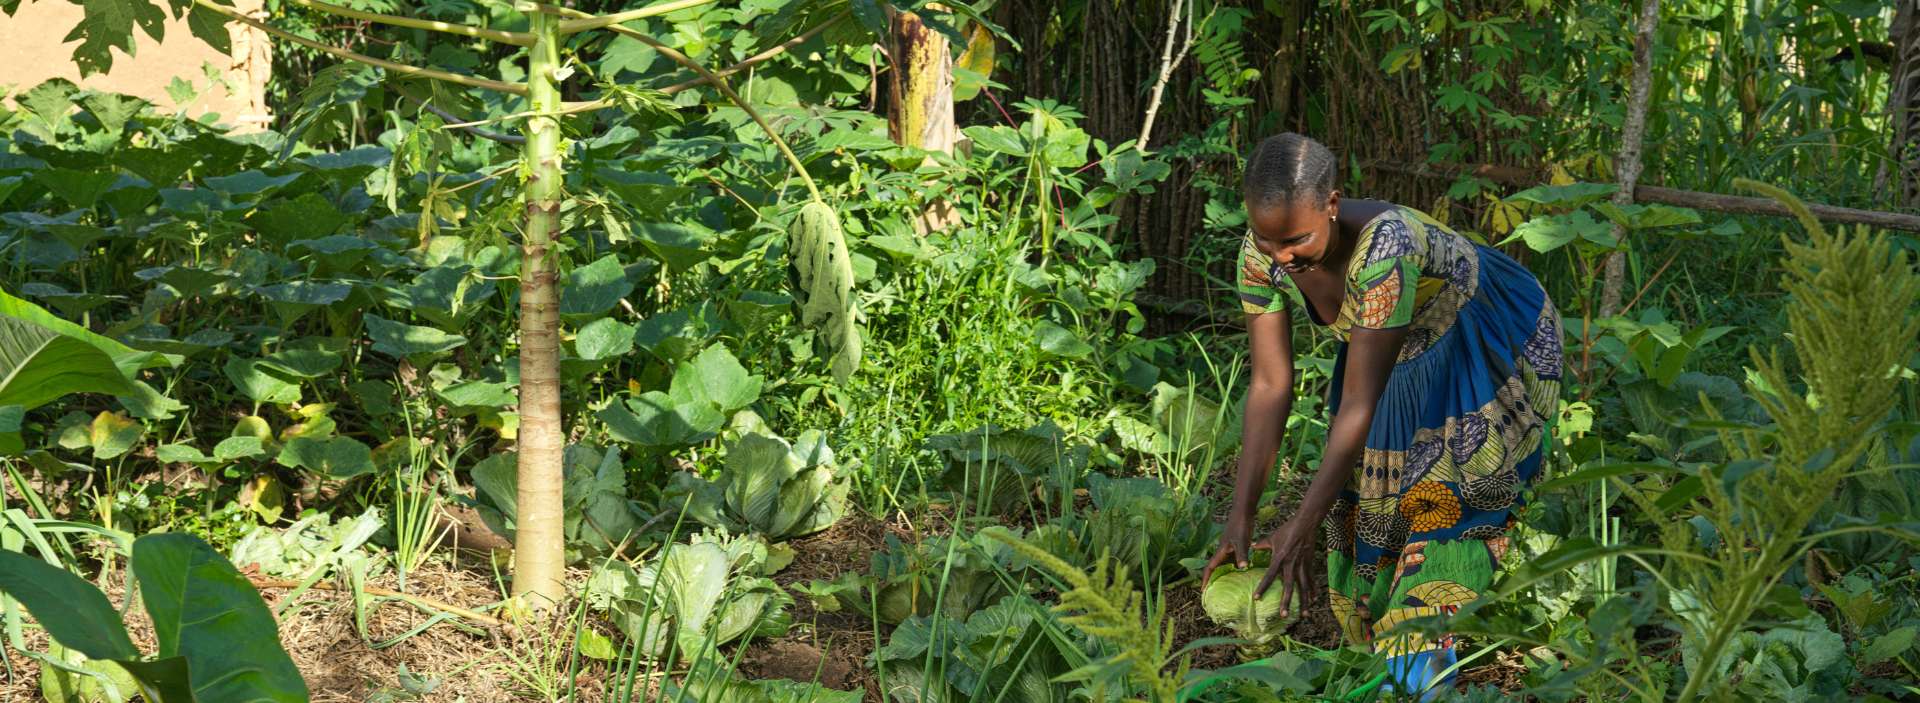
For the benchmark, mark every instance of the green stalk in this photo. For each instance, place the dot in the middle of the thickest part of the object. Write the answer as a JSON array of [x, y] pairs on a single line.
[[539, 567], [502, 36], [576, 26]]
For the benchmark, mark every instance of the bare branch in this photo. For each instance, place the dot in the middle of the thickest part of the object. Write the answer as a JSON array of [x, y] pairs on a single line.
[[502, 36]]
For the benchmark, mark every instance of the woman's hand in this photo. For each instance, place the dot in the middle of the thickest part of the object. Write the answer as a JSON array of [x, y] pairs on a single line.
[[1294, 559], [1233, 544]]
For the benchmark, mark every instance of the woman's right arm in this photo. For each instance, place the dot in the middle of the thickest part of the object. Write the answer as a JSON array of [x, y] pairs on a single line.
[[1269, 401]]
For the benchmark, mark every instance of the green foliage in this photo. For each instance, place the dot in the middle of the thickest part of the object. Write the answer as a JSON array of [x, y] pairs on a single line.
[[693, 596], [1000, 653], [216, 639], [949, 577], [771, 488]]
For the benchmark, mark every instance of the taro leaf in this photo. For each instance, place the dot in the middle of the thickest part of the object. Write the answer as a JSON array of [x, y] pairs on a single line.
[[303, 363], [715, 377], [595, 288], [1545, 234], [250, 183], [401, 339], [337, 458], [233, 448], [206, 611], [39, 365], [259, 383], [129, 360], [679, 245], [79, 189], [1059, 341], [605, 338], [309, 216], [76, 614]]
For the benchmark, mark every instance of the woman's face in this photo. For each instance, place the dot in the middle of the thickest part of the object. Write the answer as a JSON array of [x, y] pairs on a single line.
[[1297, 236]]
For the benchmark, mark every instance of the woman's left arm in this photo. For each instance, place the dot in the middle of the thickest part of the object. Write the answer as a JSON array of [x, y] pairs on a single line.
[[1371, 354]]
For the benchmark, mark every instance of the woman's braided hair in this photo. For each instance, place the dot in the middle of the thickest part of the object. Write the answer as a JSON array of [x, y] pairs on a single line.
[[1288, 169]]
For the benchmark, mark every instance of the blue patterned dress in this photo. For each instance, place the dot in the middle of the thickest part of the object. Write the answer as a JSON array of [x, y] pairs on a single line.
[[1459, 429]]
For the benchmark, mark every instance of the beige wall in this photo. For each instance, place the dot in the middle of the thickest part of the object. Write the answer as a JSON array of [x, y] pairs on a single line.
[[31, 51]]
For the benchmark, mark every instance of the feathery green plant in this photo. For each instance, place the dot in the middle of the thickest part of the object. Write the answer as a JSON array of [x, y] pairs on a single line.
[[1109, 609]]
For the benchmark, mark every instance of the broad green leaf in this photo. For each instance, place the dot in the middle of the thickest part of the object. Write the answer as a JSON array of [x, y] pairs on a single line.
[[605, 338], [595, 288], [715, 377], [167, 676], [1059, 341], [75, 613], [1568, 196], [204, 610], [233, 448], [401, 339], [162, 167], [492, 394], [997, 138], [309, 216], [294, 299], [337, 458], [757, 310], [11, 417], [678, 245], [180, 454], [80, 189], [655, 420], [259, 383], [644, 191], [351, 164], [1545, 234], [302, 363], [129, 360], [39, 365], [112, 434], [250, 183], [1888, 646]]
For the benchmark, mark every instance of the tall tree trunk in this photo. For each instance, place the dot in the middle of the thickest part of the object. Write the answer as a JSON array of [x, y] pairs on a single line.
[[1903, 106], [920, 103], [539, 556], [1628, 165]]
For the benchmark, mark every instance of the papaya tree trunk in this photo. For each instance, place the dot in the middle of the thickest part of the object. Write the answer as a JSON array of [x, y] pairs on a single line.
[[920, 103], [539, 555]]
